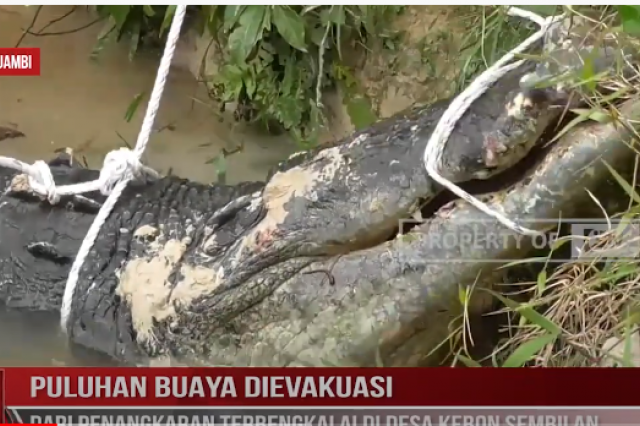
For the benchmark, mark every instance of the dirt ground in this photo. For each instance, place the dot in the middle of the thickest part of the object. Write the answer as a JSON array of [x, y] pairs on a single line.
[[424, 70]]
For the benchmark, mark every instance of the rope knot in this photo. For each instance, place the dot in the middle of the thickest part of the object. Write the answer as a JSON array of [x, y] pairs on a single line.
[[41, 181], [118, 165]]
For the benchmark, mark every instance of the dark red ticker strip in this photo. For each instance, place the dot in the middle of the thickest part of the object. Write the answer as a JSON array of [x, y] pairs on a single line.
[[70, 386]]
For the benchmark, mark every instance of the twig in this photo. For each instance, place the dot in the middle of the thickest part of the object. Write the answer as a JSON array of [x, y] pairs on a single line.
[[33, 22], [75, 30], [321, 66], [326, 272], [53, 21], [123, 139]]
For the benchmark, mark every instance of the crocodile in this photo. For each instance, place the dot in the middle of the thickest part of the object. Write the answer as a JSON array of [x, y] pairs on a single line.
[[317, 264]]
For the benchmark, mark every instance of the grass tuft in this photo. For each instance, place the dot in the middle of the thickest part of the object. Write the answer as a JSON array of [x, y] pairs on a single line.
[[584, 312]]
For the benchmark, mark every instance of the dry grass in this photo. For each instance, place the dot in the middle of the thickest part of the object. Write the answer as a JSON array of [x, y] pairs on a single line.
[[589, 300]]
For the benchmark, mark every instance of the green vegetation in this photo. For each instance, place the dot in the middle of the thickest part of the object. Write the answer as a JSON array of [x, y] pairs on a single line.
[[492, 35], [276, 60]]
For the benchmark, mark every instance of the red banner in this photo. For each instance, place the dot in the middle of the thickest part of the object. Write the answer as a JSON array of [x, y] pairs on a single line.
[[78, 387], [19, 61], [3, 411]]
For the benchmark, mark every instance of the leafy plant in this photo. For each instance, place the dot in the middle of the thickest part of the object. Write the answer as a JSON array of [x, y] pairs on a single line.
[[278, 59], [141, 24], [275, 60]]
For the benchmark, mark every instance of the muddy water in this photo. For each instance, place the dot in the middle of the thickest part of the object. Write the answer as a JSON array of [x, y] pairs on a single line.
[[81, 104]]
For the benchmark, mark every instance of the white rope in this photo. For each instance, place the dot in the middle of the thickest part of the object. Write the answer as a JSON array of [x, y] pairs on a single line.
[[116, 164], [457, 108], [123, 165]]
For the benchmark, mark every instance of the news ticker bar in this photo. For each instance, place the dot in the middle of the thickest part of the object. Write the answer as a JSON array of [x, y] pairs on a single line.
[[304, 388], [329, 416]]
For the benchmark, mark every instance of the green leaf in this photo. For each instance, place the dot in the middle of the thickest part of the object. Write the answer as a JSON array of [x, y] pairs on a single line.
[[316, 35], [468, 361], [232, 76], [107, 34], [290, 26], [622, 271], [631, 319], [168, 17], [623, 183], [334, 15], [133, 107], [148, 10], [615, 95], [370, 21], [290, 111], [245, 36], [595, 114], [528, 350], [135, 39], [588, 73], [542, 282], [528, 312], [629, 333], [221, 169], [623, 224], [290, 79], [119, 13], [573, 123], [214, 18], [360, 112], [583, 114], [265, 54], [559, 243], [462, 295], [630, 16], [231, 16], [590, 81], [220, 166], [601, 116], [266, 22], [530, 56]]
